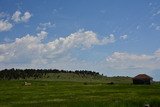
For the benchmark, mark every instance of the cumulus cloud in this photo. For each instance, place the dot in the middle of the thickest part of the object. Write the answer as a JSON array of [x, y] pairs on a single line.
[[123, 60], [5, 25], [5, 19], [123, 37], [26, 17], [18, 17], [44, 26], [22, 48], [30, 48]]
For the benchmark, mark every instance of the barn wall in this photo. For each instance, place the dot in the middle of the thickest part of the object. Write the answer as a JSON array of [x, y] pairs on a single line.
[[139, 81]]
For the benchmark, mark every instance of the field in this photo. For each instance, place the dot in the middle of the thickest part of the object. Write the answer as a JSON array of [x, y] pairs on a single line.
[[49, 93]]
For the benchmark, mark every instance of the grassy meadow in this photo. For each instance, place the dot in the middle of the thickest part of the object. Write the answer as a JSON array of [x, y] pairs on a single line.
[[78, 93]]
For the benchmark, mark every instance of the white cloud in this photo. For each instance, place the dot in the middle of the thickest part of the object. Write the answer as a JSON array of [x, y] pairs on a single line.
[[123, 37], [26, 17], [18, 17], [29, 48], [123, 60], [44, 26], [5, 25], [23, 48], [120, 56]]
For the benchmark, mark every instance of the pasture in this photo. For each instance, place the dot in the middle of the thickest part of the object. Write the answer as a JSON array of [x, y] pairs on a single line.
[[13, 93]]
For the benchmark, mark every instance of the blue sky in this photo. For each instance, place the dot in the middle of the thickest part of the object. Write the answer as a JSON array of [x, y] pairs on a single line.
[[112, 37]]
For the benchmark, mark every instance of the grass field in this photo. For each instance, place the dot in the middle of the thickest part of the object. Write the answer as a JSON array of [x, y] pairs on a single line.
[[77, 94]]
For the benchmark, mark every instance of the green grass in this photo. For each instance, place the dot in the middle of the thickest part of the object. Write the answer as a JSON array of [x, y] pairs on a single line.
[[77, 94], [83, 78]]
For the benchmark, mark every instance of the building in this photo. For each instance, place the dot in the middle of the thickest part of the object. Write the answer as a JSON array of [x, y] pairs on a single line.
[[142, 79]]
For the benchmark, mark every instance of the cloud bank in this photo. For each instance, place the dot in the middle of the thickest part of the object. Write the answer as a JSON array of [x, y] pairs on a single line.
[[123, 60], [30, 49]]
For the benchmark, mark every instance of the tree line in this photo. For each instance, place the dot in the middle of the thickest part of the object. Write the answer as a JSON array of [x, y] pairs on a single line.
[[8, 74]]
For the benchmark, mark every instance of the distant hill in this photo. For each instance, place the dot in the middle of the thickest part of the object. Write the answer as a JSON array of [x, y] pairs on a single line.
[[59, 75]]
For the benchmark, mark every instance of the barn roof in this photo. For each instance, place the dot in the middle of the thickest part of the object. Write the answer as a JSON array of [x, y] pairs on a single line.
[[142, 76]]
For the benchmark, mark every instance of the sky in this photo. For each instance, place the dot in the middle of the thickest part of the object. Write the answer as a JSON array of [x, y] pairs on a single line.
[[112, 37]]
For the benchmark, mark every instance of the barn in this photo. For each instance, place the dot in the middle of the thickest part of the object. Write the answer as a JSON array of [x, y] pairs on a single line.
[[142, 79]]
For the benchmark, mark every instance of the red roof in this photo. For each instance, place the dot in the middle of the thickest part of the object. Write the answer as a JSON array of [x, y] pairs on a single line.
[[142, 76]]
